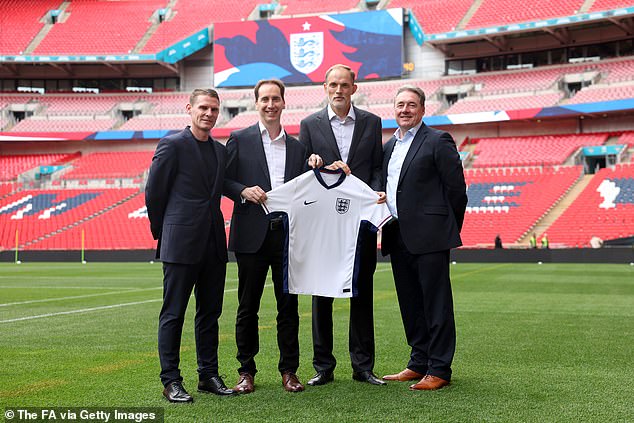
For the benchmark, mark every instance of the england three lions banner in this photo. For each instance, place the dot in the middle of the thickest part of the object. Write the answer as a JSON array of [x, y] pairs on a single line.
[[300, 50]]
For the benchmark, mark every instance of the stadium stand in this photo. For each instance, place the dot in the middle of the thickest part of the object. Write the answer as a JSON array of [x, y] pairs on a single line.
[[502, 12], [38, 213], [77, 105], [599, 5], [125, 227], [595, 93], [509, 201], [531, 150], [7, 188], [436, 16], [13, 165], [23, 23], [605, 209], [64, 124], [122, 34], [188, 17], [511, 102], [103, 165], [290, 117], [303, 97], [146, 122], [303, 7], [627, 138]]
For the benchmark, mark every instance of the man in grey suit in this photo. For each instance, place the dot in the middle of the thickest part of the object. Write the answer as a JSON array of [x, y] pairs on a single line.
[[426, 193], [260, 158], [348, 138], [182, 196]]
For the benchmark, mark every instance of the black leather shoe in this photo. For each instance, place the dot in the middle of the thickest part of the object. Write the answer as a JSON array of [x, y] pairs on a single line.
[[174, 392], [367, 376], [215, 385], [321, 378]]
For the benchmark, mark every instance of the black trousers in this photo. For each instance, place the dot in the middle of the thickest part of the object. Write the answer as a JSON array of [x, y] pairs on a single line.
[[361, 327], [252, 271], [207, 280], [424, 295]]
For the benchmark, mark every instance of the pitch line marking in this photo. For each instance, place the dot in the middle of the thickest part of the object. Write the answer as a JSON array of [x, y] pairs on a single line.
[[44, 300], [87, 310], [484, 269]]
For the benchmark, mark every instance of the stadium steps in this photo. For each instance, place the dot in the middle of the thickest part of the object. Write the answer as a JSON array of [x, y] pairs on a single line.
[[557, 209], [78, 222], [469, 148], [151, 30], [46, 29], [587, 5], [612, 140], [467, 17]]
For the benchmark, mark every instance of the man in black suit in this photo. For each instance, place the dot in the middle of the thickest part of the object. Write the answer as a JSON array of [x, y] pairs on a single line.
[[348, 138], [260, 158], [426, 193], [182, 196]]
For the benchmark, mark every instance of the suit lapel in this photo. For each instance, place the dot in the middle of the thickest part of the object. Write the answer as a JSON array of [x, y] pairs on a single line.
[[200, 163], [324, 126], [413, 149], [359, 126]]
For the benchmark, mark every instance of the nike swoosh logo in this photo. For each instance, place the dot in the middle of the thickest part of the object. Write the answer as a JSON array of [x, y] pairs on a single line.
[[306, 203]]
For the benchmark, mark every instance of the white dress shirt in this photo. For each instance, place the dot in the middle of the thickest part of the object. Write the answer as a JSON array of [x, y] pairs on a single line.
[[343, 130], [275, 152], [401, 147]]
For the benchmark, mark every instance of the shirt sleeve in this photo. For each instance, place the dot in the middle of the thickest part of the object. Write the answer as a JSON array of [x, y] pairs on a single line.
[[280, 199], [376, 214]]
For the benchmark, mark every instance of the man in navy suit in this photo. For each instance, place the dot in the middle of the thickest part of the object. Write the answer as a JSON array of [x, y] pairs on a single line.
[[260, 158], [348, 138], [426, 194], [182, 196]]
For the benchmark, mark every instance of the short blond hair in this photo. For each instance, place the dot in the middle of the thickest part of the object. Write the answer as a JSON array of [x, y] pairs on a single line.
[[340, 66]]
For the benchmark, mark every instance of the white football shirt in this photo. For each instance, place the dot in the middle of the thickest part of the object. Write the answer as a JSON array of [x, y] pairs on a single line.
[[324, 227]]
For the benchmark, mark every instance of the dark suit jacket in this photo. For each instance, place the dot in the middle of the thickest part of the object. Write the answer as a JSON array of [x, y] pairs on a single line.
[[183, 207], [246, 167], [366, 150], [431, 195]]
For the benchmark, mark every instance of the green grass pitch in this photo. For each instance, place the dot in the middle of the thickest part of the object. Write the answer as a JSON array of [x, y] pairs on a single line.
[[536, 343]]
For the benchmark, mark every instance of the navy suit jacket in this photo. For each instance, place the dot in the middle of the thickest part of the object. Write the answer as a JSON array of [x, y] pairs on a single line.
[[431, 196], [366, 149], [246, 167], [183, 205]]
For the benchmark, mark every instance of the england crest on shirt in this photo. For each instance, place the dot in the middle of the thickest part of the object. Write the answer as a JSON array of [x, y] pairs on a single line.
[[343, 204], [307, 51]]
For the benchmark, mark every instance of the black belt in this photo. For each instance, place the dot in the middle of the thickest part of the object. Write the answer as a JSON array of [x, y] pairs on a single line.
[[276, 224]]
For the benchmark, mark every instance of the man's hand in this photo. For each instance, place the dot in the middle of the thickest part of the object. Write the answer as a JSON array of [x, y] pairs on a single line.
[[315, 161], [339, 165], [382, 197], [254, 194]]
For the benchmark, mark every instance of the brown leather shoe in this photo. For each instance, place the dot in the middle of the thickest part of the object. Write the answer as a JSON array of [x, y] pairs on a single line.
[[429, 383], [245, 384], [404, 376], [291, 383]]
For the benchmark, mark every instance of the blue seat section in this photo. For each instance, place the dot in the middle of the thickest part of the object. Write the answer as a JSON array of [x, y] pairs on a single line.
[[43, 202], [506, 194], [626, 196]]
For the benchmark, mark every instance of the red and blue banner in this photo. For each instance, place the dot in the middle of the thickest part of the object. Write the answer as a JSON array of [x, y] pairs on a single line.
[[300, 50]]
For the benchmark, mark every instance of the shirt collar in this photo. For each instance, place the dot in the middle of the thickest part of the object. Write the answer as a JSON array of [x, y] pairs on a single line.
[[263, 130], [413, 131], [332, 114]]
